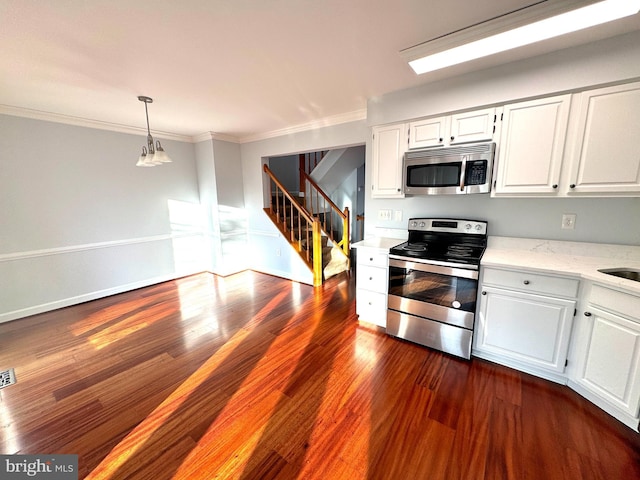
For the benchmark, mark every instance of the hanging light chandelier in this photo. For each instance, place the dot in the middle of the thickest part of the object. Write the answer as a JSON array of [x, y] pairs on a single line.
[[152, 154]]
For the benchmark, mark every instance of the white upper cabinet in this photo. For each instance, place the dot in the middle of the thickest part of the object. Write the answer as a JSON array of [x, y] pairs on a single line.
[[429, 132], [531, 146], [389, 145], [475, 126], [605, 157]]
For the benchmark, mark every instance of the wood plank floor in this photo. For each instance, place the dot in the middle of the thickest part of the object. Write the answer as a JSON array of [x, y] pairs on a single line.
[[254, 377]]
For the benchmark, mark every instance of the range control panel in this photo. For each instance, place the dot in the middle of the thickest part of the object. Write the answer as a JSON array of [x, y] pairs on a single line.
[[449, 225]]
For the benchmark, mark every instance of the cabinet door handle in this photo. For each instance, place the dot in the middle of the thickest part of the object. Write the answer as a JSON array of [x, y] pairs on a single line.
[[370, 278], [371, 259], [452, 137], [587, 314], [526, 282], [573, 185], [441, 139], [484, 293], [555, 185]]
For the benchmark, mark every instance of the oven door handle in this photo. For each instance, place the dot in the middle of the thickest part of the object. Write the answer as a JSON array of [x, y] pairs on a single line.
[[439, 269]]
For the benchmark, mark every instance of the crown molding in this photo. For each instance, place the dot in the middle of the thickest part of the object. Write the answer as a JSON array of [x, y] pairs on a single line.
[[323, 122], [89, 123], [115, 127], [203, 137]]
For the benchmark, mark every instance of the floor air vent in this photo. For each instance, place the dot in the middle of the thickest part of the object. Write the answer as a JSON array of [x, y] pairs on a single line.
[[7, 377]]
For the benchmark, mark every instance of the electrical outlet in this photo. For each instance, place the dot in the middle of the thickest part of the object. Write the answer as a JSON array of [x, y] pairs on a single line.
[[384, 214], [569, 221]]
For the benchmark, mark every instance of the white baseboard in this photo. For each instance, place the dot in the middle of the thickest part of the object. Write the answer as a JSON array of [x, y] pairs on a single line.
[[67, 302]]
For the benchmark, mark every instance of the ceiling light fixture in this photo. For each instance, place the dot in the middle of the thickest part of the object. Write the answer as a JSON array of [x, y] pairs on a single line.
[[151, 155], [541, 21]]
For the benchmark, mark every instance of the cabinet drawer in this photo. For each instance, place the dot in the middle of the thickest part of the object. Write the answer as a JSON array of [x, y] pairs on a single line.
[[371, 307], [531, 282], [372, 278], [372, 257], [615, 301]]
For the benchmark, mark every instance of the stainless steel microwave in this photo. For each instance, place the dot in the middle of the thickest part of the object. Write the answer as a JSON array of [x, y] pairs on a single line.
[[446, 171]]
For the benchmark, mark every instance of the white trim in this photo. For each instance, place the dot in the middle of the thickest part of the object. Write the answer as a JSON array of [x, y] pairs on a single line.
[[66, 302], [203, 137], [9, 257], [265, 233], [116, 127], [286, 275], [89, 123], [313, 125], [628, 420], [556, 377]]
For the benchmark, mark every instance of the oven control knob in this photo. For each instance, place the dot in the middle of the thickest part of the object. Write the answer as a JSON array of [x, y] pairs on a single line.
[[414, 224], [467, 226], [478, 227], [422, 224]]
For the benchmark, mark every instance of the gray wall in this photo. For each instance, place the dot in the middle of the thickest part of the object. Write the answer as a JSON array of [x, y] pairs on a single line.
[[606, 220], [79, 220]]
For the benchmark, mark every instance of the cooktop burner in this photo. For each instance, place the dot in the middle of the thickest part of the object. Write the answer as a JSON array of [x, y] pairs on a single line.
[[415, 247], [444, 240]]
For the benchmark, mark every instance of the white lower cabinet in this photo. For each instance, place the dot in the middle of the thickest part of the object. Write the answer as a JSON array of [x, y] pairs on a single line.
[[525, 321], [371, 285], [606, 353]]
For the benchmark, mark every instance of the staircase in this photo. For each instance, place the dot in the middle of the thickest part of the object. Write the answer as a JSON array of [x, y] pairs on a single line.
[[314, 226]]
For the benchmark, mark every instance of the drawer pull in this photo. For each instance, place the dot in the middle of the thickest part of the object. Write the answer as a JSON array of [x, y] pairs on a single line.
[[371, 259], [526, 282], [587, 314], [370, 278]]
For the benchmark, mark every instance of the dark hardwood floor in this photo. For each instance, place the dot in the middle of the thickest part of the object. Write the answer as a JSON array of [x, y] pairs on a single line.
[[255, 377]]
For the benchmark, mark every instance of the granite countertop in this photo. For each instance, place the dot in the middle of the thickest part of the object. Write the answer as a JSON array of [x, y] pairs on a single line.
[[577, 259]]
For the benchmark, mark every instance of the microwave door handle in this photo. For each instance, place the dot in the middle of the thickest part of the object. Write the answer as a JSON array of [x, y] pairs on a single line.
[[463, 172]]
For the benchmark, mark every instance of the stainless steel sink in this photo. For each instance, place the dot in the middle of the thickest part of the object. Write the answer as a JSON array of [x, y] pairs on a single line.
[[628, 273]]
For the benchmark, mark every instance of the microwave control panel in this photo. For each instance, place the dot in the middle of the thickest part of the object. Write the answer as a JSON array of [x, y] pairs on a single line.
[[476, 172]]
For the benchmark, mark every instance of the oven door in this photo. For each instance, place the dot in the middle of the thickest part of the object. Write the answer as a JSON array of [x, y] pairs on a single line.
[[440, 293]]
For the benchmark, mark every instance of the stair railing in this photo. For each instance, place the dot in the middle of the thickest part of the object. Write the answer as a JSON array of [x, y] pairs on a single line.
[[334, 222], [302, 230], [309, 161]]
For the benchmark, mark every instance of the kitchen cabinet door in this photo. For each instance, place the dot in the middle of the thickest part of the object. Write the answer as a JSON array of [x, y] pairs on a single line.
[[429, 132], [609, 359], [476, 126], [389, 145], [466, 127], [533, 330], [531, 147], [605, 157], [371, 285]]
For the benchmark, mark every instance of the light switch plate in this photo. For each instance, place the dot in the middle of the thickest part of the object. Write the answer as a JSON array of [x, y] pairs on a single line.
[[384, 214]]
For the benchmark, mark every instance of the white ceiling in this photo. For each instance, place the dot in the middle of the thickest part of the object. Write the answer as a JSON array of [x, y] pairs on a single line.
[[234, 67]]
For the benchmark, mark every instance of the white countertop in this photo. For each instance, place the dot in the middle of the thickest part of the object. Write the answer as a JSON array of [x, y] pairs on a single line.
[[577, 259], [384, 243]]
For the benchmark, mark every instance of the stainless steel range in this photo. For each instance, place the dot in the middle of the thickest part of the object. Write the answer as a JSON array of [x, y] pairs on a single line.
[[433, 283]]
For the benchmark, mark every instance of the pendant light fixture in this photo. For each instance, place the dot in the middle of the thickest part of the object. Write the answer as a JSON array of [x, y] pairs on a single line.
[[152, 154]]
